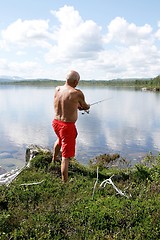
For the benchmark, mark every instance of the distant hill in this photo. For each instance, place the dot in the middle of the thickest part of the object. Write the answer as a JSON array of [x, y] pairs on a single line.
[[4, 78]]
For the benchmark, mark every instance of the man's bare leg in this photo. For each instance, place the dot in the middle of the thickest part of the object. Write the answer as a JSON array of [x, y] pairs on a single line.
[[56, 151], [64, 169]]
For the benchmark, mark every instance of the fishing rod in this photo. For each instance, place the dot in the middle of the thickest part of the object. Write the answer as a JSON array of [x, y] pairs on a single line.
[[100, 101], [106, 99]]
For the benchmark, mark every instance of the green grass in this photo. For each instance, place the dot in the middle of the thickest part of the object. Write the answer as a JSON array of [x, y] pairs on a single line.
[[54, 210]]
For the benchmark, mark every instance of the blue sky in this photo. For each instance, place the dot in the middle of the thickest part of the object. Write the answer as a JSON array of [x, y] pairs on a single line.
[[101, 39]]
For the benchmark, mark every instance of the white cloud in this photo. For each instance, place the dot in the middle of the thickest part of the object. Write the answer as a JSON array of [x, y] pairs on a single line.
[[122, 32], [51, 47], [157, 34], [21, 53], [27, 33], [68, 17], [75, 38], [14, 68]]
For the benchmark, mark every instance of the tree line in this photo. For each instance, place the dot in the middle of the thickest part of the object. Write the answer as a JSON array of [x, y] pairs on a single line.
[[139, 83]]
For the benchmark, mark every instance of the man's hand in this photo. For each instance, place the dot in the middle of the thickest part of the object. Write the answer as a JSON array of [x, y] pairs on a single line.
[[84, 108], [80, 108]]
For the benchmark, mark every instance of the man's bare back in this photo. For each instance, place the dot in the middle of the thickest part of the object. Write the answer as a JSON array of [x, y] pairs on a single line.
[[67, 101]]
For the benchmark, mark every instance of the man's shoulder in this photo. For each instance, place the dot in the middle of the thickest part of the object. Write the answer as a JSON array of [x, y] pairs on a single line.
[[78, 91], [58, 88]]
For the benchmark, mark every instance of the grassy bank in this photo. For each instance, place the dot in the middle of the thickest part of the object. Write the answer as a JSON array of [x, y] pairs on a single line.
[[53, 210]]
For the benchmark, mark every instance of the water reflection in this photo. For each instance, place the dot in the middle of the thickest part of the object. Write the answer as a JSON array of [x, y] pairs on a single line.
[[128, 123], [25, 116]]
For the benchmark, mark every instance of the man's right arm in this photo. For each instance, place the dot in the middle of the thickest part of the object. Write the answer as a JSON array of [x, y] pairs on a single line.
[[82, 105]]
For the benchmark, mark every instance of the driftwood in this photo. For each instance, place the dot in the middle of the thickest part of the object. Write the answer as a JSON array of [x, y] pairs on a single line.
[[7, 178], [109, 181], [30, 184], [31, 152]]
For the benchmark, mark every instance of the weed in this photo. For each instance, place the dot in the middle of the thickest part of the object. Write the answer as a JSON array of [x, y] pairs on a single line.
[[54, 210]]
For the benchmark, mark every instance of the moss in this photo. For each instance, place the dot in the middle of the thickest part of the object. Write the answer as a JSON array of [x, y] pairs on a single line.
[[54, 210]]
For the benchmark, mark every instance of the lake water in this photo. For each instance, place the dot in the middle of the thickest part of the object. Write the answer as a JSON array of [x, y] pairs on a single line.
[[128, 123]]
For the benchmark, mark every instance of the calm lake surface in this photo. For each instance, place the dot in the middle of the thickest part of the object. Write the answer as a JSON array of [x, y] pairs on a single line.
[[128, 123]]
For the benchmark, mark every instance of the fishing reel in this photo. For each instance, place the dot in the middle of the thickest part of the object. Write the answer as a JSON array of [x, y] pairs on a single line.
[[85, 111]]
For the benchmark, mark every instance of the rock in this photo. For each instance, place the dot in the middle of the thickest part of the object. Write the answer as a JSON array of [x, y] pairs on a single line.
[[156, 89], [33, 150]]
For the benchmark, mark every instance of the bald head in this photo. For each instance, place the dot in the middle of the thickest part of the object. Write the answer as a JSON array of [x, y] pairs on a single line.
[[72, 76]]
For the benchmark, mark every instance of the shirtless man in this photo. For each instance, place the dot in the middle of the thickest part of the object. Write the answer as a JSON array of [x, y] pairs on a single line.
[[67, 101]]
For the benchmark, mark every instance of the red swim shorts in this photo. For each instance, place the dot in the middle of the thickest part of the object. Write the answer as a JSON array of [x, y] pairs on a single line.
[[66, 133]]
